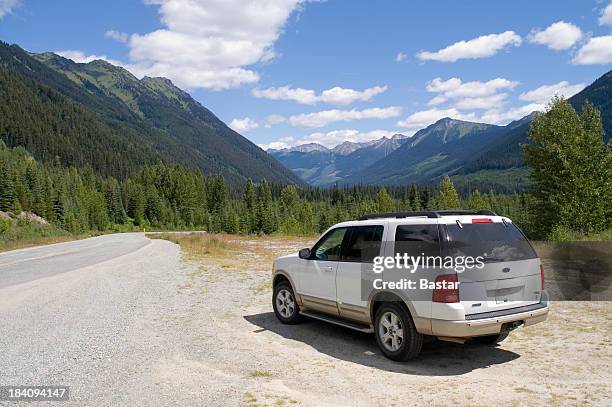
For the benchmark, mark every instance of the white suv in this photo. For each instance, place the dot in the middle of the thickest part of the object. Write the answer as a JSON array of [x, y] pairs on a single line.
[[336, 280]]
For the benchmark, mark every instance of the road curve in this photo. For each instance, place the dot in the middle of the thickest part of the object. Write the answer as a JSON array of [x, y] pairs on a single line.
[[21, 266], [91, 315]]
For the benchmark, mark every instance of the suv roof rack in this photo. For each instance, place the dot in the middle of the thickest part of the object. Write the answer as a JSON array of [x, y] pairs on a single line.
[[428, 214]]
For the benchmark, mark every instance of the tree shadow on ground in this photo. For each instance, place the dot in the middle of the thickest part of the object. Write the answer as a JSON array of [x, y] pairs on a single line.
[[437, 358]]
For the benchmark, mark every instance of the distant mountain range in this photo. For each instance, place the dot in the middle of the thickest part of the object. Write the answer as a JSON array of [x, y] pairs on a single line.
[[100, 115], [318, 165], [475, 155]]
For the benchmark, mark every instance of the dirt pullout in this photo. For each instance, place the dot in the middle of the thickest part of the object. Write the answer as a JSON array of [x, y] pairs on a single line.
[[160, 327], [243, 354]]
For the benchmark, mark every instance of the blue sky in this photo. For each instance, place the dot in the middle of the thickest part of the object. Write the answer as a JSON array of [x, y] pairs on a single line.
[[285, 72]]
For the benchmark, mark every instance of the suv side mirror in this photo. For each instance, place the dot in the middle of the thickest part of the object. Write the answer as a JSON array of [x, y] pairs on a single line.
[[304, 254]]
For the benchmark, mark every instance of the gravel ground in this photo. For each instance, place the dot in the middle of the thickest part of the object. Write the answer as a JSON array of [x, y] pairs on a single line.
[[155, 328]]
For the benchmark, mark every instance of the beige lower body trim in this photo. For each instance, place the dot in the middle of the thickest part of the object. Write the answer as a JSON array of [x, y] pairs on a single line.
[[488, 326], [355, 313], [319, 304]]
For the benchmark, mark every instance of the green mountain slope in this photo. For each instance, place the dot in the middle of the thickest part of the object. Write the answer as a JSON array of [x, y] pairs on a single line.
[[430, 153], [474, 155], [320, 166], [151, 114], [507, 152]]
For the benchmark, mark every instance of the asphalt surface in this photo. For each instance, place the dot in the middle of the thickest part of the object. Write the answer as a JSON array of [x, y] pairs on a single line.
[[95, 315], [21, 266]]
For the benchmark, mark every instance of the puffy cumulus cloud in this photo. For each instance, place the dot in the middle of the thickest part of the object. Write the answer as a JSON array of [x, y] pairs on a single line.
[[557, 36], [343, 96], [82, 58], [335, 137], [606, 15], [117, 35], [283, 142], [274, 119], [469, 95], [333, 96], [303, 96], [325, 117], [499, 116], [424, 118], [210, 43], [480, 47], [244, 125], [597, 50], [456, 88], [401, 57], [485, 102], [6, 6], [544, 93]]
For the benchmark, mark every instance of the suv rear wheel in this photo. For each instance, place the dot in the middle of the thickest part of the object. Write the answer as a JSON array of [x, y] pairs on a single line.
[[395, 332], [285, 306]]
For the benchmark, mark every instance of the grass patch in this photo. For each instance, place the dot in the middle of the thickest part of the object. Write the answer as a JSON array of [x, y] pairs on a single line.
[[198, 245], [260, 373], [19, 234], [235, 252]]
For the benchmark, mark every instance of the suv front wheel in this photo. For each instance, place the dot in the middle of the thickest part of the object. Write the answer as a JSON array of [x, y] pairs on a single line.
[[285, 306], [395, 332]]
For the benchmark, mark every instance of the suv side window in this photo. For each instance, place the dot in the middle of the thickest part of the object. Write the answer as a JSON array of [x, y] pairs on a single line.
[[417, 239], [362, 244], [328, 248]]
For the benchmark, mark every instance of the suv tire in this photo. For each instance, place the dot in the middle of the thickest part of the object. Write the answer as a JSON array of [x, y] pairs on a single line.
[[395, 332], [491, 339], [285, 306]]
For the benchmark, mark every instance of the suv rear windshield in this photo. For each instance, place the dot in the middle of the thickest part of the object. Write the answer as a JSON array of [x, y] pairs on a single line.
[[496, 242]]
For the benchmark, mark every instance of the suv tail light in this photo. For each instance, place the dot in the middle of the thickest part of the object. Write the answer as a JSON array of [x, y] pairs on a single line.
[[541, 277], [446, 294]]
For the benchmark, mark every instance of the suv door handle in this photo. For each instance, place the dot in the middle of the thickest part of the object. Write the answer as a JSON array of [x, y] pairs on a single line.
[[328, 268]]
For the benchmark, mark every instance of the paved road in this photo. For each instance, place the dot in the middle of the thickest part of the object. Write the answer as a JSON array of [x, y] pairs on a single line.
[[21, 266], [95, 315]]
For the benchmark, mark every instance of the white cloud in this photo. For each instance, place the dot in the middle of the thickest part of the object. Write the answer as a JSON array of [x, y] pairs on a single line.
[[333, 96], [210, 43], [6, 6], [597, 50], [499, 116], [343, 96], [486, 102], [606, 15], [401, 57], [81, 58], [117, 35], [469, 95], [544, 93], [481, 47], [437, 100], [335, 137], [283, 142], [325, 117], [303, 96], [274, 119], [456, 88], [557, 36], [424, 118], [244, 125]]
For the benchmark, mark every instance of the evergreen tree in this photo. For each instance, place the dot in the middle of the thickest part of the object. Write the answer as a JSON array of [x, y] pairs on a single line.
[[476, 201], [447, 196], [571, 170], [7, 190], [384, 202]]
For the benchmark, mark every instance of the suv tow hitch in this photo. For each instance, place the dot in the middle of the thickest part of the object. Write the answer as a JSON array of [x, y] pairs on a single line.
[[511, 326]]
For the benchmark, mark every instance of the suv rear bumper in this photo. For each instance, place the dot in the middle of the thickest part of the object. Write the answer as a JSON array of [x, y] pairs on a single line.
[[492, 325]]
